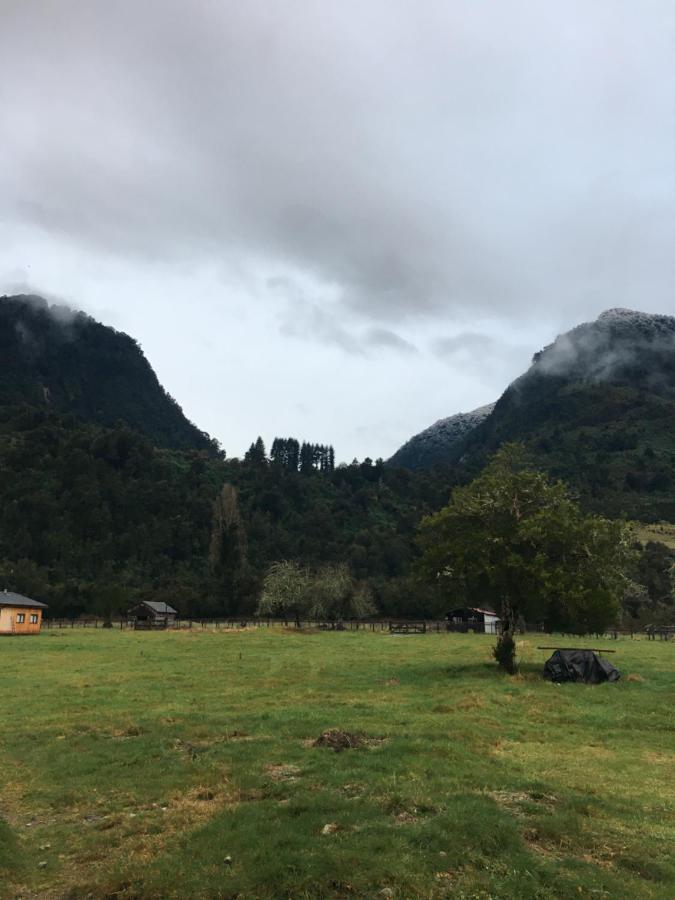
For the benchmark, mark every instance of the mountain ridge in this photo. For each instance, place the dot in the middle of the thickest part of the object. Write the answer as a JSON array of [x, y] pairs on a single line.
[[64, 360], [431, 444], [595, 408], [94, 517]]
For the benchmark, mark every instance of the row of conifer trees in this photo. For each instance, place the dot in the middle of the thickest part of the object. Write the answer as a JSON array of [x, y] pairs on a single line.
[[290, 454]]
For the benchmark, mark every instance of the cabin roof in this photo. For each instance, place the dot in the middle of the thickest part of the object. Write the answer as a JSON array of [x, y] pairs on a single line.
[[159, 607], [9, 598], [483, 610]]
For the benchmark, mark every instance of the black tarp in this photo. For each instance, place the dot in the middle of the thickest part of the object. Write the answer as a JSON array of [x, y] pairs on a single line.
[[579, 665]]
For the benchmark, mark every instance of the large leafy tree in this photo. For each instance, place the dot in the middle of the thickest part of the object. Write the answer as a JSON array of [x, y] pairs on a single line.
[[337, 595], [286, 591], [514, 538], [291, 589]]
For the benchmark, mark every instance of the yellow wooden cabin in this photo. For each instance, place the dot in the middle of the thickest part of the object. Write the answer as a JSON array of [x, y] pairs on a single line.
[[19, 615]]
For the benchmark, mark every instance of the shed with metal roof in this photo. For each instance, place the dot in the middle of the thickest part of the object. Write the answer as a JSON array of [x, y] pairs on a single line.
[[473, 618], [152, 614]]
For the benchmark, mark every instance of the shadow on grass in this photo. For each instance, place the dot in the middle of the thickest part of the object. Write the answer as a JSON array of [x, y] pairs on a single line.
[[10, 856], [482, 670]]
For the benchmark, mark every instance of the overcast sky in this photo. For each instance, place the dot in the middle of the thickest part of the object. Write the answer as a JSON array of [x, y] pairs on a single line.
[[343, 220]]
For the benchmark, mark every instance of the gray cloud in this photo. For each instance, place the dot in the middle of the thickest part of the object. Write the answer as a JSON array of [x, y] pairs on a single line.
[[389, 340], [304, 317], [464, 343], [487, 355], [461, 160], [414, 171], [617, 340]]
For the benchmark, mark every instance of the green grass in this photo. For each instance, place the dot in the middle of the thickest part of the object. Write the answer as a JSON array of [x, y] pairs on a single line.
[[662, 532], [134, 764]]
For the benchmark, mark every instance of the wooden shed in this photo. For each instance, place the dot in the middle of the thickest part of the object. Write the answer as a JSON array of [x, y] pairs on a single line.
[[152, 614], [19, 614], [475, 618]]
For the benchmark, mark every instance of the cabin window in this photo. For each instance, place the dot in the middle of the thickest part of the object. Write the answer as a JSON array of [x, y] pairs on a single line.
[[33, 618], [20, 618]]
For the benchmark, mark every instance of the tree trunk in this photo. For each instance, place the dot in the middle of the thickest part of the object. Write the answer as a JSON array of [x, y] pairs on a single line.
[[505, 651]]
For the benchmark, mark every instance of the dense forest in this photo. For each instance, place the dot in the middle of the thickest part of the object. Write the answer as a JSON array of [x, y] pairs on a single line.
[[93, 518], [108, 494]]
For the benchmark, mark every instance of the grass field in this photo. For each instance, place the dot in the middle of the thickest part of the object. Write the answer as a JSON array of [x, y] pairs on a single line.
[[181, 764], [662, 532]]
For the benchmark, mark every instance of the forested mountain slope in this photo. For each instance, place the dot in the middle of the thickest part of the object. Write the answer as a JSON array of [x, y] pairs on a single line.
[[54, 358], [596, 408], [108, 493], [92, 518], [432, 446]]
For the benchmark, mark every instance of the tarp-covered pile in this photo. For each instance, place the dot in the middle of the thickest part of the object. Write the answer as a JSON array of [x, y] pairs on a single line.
[[579, 665]]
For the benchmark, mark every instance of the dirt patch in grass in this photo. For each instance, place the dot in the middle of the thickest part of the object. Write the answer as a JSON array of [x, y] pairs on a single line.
[[353, 791], [514, 801], [340, 740], [536, 845], [656, 758], [194, 749], [130, 731], [603, 857], [406, 818], [634, 677], [282, 772], [472, 701]]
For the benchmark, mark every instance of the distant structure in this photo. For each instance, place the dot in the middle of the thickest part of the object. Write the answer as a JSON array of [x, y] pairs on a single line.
[[19, 614], [472, 618], [151, 614]]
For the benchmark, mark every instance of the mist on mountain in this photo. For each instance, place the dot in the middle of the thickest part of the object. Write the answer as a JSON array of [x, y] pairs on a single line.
[[60, 359]]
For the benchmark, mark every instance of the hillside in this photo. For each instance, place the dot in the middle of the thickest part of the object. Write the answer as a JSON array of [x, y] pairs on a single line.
[[596, 408], [56, 359], [431, 446], [92, 518], [108, 491]]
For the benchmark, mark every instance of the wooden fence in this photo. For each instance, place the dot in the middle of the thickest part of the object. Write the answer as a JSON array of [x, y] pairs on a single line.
[[394, 626]]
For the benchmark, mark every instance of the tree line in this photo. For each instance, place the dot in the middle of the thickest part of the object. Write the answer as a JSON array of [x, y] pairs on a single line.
[[290, 454], [94, 519]]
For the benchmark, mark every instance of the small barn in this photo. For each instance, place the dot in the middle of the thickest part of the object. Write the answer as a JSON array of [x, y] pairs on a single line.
[[151, 614], [474, 618], [19, 614]]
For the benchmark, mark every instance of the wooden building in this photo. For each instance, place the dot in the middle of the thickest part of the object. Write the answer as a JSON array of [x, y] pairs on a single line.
[[152, 614], [19, 615], [473, 618]]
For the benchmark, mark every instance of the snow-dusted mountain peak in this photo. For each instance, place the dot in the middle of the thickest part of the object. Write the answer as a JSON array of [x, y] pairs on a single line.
[[635, 318], [431, 445]]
